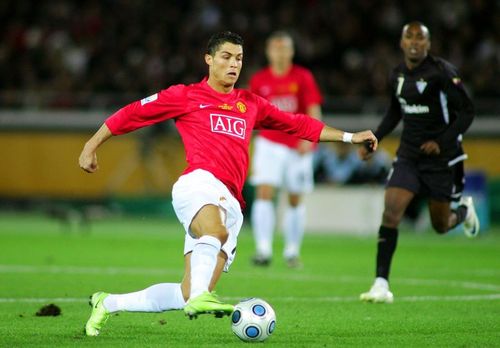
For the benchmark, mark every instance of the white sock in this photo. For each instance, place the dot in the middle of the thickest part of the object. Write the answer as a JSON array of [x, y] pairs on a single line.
[[263, 221], [203, 262], [156, 298], [294, 225]]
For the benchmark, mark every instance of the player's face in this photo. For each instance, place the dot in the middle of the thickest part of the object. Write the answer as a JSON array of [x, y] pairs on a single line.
[[280, 51], [225, 65], [415, 43]]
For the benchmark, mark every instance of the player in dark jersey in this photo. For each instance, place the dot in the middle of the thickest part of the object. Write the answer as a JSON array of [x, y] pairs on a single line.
[[427, 94]]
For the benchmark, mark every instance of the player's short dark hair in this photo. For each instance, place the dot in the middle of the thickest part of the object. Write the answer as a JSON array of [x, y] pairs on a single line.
[[280, 35], [220, 38], [420, 24]]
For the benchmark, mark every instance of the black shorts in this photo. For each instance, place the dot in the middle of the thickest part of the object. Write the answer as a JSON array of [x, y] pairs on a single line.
[[435, 181]]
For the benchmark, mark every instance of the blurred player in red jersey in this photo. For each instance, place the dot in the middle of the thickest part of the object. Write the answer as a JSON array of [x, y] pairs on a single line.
[[215, 122], [282, 160]]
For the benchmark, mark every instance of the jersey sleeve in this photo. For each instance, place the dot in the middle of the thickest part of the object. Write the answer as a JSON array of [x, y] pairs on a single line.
[[393, 115], [161, 106], [254, 82], [312, 94], [459, 103], [300, 125]]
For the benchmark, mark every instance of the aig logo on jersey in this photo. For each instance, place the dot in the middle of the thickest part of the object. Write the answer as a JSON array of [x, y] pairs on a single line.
[[229, 125]]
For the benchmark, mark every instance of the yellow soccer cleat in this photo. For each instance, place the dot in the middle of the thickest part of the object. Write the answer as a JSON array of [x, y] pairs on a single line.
[[207, 303], [99, 314]]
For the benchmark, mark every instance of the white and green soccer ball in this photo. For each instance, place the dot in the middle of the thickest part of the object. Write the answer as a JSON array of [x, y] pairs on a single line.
[[253, 320]]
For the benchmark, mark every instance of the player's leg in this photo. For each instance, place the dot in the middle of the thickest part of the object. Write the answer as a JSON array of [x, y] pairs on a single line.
[[401, 188], [471, 220], [207, 301], [267, 175], [443, 186], [186, 281], [395, 203], [156, 298], [168, 296], [209, 229], [210, 232], [444, 218], [263, 218], [212, 219], [299, 181], [293, 230]]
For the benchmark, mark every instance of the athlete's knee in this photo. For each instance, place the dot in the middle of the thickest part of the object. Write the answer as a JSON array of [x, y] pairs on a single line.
[[294, 200], [220, 233], [391, 217], [265, 192]]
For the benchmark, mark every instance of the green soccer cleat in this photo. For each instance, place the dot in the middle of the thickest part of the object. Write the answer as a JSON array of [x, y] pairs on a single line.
[[99, 314], [207, 303]]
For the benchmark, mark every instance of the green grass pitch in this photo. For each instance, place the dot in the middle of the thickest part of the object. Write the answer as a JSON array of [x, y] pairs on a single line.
[[446, 288]]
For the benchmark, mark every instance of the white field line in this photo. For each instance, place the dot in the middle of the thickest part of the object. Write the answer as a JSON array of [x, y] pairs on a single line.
[[321, 299], [296, 277], [87, 270]]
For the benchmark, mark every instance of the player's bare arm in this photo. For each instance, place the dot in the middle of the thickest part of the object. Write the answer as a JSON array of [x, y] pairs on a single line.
[[365, 137], [88, 156]]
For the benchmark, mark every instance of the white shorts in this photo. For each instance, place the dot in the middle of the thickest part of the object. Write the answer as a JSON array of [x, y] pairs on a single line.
[[280, 166], [193, 191]]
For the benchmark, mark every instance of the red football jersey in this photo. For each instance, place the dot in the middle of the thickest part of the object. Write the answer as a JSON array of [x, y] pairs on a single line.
[[293, 92], [215, 128]]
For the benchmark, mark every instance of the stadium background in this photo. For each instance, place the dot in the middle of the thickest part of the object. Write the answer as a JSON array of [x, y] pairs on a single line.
[[66, 65]]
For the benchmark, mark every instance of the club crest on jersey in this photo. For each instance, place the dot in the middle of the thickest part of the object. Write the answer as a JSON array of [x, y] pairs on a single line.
[[421, 86], [229, 125], [241, 107]]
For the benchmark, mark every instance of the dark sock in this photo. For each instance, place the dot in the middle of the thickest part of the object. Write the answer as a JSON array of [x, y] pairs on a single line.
[[387, 241], [461, 213]]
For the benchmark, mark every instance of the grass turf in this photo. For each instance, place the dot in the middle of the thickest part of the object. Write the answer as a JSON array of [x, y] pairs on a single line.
[[447, 288]]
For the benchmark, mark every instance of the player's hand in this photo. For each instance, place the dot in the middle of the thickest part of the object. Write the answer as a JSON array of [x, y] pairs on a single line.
[[430, 148], [367, 138], [304, 147], [88, 161], [365, 153]]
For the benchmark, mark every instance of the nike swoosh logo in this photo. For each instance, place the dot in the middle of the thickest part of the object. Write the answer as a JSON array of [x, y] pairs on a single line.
[[203, 106]]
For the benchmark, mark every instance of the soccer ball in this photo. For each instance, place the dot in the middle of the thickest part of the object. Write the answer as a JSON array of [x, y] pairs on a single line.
[[253, 320]]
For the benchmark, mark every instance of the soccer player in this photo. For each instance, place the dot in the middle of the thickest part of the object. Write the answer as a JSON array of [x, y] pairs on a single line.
[[282, 160], [215, 122], [428, 95]]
